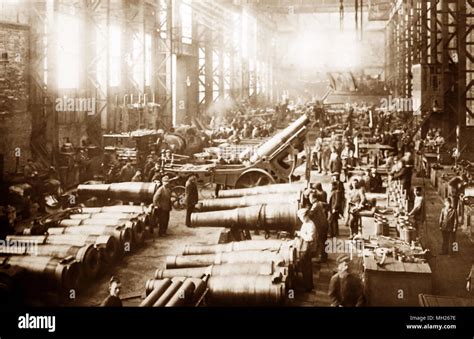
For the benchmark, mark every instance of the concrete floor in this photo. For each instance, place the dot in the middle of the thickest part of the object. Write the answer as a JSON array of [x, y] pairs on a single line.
[[448, 271]]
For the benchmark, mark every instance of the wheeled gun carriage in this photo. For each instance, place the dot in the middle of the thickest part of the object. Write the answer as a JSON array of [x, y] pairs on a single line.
[[273, 161]]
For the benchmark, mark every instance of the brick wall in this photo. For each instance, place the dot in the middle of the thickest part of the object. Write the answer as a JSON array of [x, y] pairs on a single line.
[[15, 120]]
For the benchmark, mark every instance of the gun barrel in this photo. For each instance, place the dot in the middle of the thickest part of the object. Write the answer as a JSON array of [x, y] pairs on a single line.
[[279, 139]]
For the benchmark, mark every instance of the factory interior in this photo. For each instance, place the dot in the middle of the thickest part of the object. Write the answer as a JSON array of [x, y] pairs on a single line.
[[199, 153]]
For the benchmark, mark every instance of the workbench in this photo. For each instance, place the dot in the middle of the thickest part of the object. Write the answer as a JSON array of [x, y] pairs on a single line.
[[395, 283], [427, 300]]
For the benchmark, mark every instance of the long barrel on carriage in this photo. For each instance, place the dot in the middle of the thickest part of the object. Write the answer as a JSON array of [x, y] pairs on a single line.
[[281, 140]]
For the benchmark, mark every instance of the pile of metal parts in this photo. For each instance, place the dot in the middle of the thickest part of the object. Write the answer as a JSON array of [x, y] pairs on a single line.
[[271, 207], [68, 253], [252, 272], [398, 195], [401, 251]]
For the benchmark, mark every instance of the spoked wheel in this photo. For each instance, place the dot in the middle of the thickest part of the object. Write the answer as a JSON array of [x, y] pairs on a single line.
[[177, 197], [254, 178]]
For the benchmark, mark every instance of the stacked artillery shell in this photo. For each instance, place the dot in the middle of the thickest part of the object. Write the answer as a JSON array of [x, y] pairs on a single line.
[[87, 256], [136, 221], [107, 244], [53, 272], [178, 291], [78, 249], [138, 192], [240, 273]]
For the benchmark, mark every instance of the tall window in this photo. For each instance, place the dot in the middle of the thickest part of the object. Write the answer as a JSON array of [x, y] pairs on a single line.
[[245, 31], [115, 51], [67, 28], [137, 60], [202, 75], [186, 13], [147, 59], [163, 16], [216, 60]]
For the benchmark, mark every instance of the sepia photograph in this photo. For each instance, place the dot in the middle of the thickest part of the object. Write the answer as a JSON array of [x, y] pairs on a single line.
[[310, 154]]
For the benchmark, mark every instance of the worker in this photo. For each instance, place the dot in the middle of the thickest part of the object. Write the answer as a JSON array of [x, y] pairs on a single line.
[[149, 164], [137, 177], [469, 279], [335, 163], [345, 288], [318, 215], [335, 209], [155, 173], [30, 169], [325, 154], [307, 234], [346, 159], [418, 210], [404, 175], [162, 205], [126, 172], [191, 197], [455, 188], [113, 299], [448, 225], [256, 131], [357, 200], [7, 222], [317, 158], [375, 181], [321, 195]]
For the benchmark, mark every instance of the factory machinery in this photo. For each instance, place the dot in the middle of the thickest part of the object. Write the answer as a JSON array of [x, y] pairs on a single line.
[[66, 252]]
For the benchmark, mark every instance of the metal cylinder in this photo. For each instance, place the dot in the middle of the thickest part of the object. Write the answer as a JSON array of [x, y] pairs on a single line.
[[88, 256], [201, 286], [168, 294], [122, 234], [158, 287], [280, 259], [263, 268], [276, 141], [116, 208], [132, 221], [138, 192], [280, 217], [55, 272], [183, 295], [245, 290], [267, 189], [246, 245], [108, 246], [251, 200]]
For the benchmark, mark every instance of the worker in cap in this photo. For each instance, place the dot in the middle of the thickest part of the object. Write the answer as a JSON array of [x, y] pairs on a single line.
[[162, 206], [345, 288], [191, 197], [113, 299]]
